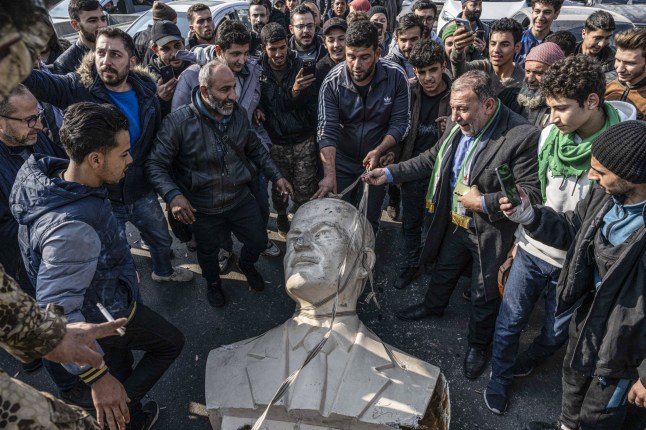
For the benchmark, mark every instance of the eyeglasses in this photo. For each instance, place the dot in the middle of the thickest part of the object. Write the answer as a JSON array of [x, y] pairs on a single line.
[[30, 120], [302, 27]]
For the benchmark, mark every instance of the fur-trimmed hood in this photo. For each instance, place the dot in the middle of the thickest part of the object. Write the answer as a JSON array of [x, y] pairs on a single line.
[[87, 71]]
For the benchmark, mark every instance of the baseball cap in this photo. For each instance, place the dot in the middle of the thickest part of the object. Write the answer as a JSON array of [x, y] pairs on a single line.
[[164, 32], [334, 23]]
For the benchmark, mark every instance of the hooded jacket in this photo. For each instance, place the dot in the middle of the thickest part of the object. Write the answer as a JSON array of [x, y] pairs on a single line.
[[396, 56], [607, 60], [612, 322], [211, 169], [288, 120], [86, 85], [318, 50], [11, 159]]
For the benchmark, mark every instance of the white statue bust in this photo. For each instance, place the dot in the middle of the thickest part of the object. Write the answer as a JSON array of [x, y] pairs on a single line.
[[356, 381]]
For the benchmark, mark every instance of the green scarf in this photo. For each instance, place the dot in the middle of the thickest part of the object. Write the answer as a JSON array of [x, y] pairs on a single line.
[[435, 176], [564, 157]]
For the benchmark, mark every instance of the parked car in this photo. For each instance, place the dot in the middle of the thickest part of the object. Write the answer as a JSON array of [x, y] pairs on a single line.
[[635, 10], [220, 10], [572, 19], [491, 10], [128, 11]]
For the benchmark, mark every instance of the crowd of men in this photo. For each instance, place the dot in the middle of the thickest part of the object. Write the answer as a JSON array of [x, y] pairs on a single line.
[[303, 102]]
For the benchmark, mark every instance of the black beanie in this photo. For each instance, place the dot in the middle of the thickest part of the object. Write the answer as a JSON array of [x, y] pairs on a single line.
[[376, 9], [622, 150]]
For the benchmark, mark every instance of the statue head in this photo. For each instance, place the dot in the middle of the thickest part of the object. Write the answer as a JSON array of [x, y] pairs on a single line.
[[323, 235]]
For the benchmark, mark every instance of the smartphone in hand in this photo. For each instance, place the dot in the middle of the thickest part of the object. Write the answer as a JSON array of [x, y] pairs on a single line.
[[463, 23], [167, 73], [508, 184], [309, 67]]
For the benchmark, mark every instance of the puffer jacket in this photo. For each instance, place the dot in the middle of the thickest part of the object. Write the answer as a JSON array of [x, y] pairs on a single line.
[[213, 173], [289, 120], [85, 85], [69, 60], [611, 338]]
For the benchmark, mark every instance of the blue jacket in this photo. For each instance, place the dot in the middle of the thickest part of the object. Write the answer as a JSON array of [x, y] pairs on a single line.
[[356, 127], [75, 252], [11, 159], [85, 85]]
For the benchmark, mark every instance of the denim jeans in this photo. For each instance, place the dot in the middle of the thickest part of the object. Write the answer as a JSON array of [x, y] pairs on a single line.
[[459, 249], [146, 214], [529, 279], [161, 342], [212, 230]]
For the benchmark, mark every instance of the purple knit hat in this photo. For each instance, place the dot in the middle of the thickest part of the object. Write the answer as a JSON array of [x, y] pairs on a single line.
[[546, 53]]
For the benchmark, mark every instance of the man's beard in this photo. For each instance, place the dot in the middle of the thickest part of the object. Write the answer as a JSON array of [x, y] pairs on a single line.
[[90, 37], [530, 99], [118, 79], [472, 16], [258, 27], [218, 106]]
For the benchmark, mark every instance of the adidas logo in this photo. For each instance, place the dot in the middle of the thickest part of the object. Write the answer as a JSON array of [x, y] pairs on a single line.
[[387, 100]]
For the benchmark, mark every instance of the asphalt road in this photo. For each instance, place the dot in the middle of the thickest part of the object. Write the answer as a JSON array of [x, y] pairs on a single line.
[[442, 342]]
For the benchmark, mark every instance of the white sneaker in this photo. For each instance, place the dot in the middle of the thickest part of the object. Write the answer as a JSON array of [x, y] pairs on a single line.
[[179, 274], [272, 250], [224, 260]]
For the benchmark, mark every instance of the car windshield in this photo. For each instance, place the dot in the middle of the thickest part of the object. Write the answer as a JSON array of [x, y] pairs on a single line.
[[60, 10], [146, 19], [622, 2], [576, 27]]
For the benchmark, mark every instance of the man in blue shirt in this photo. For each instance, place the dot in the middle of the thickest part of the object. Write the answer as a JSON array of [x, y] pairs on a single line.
[[544, 12]]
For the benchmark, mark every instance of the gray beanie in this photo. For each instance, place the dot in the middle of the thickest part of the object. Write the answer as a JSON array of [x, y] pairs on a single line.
[[622, 150]]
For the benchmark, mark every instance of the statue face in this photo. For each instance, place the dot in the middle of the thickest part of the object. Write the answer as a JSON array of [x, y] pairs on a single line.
[[317, 244]]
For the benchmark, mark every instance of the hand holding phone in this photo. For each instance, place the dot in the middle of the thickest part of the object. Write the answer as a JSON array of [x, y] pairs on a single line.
[[166, 73], [508, 184], [309, 67]]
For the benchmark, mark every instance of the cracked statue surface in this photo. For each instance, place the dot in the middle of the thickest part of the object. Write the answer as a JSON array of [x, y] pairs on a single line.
[[355, 381]]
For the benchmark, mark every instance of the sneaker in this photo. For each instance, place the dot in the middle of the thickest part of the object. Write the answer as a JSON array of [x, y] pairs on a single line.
[[224, 260], [282, 225], [254, 278], [149, 413], [290, 216], [406, 277], [143, 245], [524, 365], [272, 250], [79, 395], [496, 403], [393, 212], [32, 366], [215, 295], [179, 274]]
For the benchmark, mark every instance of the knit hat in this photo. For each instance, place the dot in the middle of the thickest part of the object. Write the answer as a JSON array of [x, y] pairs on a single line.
[[362, 5], [546, 53], [375, 10], [622, 150], [448, 31], [163, 11]]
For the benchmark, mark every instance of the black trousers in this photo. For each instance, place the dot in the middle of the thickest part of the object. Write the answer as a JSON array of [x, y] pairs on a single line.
[[212, 231], [459, 248], [594, 403], [161, 341], [413, 198]]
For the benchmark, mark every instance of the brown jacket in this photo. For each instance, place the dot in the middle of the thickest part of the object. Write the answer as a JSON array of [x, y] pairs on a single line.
[[635, 95]]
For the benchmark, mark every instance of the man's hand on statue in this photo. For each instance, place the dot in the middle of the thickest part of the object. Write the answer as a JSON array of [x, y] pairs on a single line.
[[386, 159], [472, 199], [462, 39], [78, 344], [166, 90], [637, 394], [326, 185], [285, 188], [375, 177], [371, 161], [111, 403], [182, 210]]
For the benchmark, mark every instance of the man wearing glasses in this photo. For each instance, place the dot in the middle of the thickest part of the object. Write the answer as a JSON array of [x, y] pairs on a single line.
[[304, 41], [20, 136], [426, 10]]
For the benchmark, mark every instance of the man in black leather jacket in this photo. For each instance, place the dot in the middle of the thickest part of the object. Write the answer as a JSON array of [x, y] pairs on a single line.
[[203, 163]]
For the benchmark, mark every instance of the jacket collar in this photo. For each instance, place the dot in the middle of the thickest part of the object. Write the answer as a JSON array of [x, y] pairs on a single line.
[[346, 80]]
